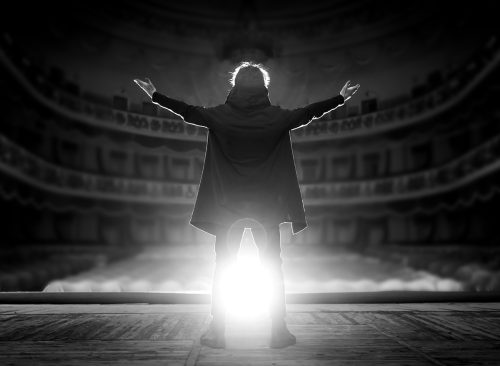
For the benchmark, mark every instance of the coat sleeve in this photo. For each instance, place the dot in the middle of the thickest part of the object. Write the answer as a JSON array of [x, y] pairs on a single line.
[[302, 116], [191, 114]]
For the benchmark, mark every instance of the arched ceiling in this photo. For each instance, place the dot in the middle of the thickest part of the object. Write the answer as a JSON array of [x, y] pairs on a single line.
[[278, 28], [311, 48]]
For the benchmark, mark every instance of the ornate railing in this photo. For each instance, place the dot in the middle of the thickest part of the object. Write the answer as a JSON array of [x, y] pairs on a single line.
[[461, 171], [452, 92], [101, 154], [30, 169]]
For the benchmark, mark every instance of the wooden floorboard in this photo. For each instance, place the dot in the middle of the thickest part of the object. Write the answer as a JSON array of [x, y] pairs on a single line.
[[336, 334]]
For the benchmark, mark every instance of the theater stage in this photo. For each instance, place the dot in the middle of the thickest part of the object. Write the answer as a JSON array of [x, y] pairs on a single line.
[[432, 333]]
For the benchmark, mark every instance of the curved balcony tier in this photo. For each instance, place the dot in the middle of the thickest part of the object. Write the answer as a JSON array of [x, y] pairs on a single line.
[[447, 95], [28, 168]]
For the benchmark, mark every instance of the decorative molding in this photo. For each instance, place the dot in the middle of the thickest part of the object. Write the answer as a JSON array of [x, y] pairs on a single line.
[[453, 92], [34, 171]]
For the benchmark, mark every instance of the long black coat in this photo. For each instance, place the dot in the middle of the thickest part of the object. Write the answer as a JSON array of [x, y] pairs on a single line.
[[249, 170]]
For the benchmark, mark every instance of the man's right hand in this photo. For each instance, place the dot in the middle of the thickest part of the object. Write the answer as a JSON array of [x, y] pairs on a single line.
[[147, 86]]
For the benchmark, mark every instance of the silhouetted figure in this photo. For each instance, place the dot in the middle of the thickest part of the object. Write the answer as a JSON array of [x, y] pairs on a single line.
[[249, 172]]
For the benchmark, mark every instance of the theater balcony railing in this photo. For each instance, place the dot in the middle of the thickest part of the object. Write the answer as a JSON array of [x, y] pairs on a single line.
[[21, 165], [449, 94], [24, 166], [466, 169]]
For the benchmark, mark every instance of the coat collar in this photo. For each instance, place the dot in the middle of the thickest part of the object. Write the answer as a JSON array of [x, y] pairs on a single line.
[[248, 97]]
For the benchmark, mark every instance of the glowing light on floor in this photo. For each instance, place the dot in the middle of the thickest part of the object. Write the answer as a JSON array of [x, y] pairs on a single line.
[[246, 284]]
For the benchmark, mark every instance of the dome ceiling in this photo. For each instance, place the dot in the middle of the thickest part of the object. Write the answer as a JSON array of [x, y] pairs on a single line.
[[188, 47], [230, 29]]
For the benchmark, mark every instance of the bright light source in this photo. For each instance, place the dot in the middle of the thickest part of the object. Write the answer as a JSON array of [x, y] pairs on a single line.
[[246, 285]]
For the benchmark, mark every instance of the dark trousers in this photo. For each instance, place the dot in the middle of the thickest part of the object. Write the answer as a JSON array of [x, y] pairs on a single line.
[[267, 240]]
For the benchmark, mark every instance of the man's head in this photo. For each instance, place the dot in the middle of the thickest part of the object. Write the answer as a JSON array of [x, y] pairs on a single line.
[[249, 74]]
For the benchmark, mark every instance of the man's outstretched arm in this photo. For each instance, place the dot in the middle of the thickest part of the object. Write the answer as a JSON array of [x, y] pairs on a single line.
[[190, 114], [302, 116]]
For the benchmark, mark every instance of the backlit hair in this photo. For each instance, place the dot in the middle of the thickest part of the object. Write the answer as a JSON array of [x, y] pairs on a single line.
[[246, 68]]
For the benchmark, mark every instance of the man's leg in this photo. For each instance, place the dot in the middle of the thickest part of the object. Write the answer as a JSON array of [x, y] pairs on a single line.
[[269, 244], [222, 262], [225, 256]]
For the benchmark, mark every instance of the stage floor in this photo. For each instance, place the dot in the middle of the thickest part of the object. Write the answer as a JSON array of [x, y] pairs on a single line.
[[331, 334]]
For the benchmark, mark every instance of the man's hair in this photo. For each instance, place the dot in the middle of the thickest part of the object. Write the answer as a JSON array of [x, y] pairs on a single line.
[[249, 72]]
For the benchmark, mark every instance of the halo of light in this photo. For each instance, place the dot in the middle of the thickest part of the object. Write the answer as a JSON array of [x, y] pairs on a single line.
[[246, 290], [245, 64]]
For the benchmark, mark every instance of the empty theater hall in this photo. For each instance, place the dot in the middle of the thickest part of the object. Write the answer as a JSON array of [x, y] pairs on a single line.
[[249, 182]]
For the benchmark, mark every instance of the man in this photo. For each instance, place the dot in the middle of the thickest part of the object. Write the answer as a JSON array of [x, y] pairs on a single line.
[[249, 172]]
